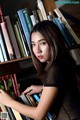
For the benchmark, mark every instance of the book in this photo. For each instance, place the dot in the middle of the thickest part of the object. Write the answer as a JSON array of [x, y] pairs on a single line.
[[63, 33], [75, 53], [34, 12], [12, 36], [16, 84], [24, 26], [33, 19], [42, 9], [7, 41], [40, 15], [5, 83], [2, 48], [70, 37], [10, 112], [1, 54], [6, 37], [4, 110], [23, 38], [27, 18], [60, 15], [16, 114], [28, 100], [49, 6], [19, 41], [22, 99]]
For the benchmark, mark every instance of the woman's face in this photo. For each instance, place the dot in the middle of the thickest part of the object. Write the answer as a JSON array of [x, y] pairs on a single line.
[[40, 47]]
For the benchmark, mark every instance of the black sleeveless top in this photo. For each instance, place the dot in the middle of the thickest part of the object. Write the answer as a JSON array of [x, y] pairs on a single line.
[[67, 105]]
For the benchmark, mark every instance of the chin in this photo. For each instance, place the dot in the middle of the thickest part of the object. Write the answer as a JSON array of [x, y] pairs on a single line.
[[42, 61]]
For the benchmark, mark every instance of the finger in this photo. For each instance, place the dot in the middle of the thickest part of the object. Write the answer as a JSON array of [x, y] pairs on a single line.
[[30, 92], [27, 90], [1, 91]]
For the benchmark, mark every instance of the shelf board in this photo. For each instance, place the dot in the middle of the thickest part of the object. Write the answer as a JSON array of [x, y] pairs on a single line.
[[15, 66], [15, 60]]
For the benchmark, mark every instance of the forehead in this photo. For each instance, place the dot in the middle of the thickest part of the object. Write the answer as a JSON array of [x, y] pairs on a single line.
[[36, 36]]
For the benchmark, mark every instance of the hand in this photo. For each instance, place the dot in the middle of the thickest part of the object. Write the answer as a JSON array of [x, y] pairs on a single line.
[[5, 98], [33, 89]]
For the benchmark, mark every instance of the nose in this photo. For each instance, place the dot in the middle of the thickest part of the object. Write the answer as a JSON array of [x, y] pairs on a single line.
[[38, 49]]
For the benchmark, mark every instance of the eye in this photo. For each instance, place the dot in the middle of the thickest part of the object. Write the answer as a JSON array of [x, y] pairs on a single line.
[[43, 43], [32, 44]]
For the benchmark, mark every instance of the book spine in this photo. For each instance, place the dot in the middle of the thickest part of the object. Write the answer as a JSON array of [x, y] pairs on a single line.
[[1, 54], [59, 14], [27, 18], [11, 114], [22, 99], [2, 47], [75, 53], [63, 33], [33, 20], [34, 12], [23, 39], [16, 84], [19, 41], [42, 9], [4, 110], [16, 114], [7, 41], [40, 15], [25, 27], [70, 37], [12, 36], [49, 6]]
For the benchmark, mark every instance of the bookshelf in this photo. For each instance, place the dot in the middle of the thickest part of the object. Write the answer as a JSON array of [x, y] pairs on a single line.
[[10, 8], [23, 67]]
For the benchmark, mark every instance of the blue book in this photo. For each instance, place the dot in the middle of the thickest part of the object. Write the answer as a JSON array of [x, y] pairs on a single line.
[[24, 26], [27, 18], [38, 99], [70, 37], [63, 33], [2, 48]]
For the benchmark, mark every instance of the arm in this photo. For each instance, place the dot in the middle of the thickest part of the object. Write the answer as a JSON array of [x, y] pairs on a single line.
[[37, 113]]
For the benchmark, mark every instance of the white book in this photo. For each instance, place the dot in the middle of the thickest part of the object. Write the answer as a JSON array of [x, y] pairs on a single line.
[[33, 19], [40, 15], [60, 15], [16, 114], [2, 47], [7, 40], [1, 55], [42, 9], [12, 36]]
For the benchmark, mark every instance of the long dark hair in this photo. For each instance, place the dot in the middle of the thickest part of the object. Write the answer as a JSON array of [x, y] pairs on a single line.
[[55, 40]]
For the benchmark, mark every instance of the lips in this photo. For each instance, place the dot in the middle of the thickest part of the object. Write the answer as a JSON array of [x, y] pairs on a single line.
[[40, 57]]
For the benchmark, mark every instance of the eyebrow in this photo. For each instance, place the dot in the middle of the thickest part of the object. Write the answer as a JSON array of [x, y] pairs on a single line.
[[39, 40]]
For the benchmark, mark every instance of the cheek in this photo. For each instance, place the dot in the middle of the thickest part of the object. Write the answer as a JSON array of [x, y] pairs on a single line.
[[34, 51], [46, 49]]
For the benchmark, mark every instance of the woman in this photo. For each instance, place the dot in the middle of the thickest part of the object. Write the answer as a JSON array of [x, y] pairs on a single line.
[[55, 68]]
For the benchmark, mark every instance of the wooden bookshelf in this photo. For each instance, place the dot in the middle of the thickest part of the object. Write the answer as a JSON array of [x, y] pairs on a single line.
[[23, 67], [15, 66]]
